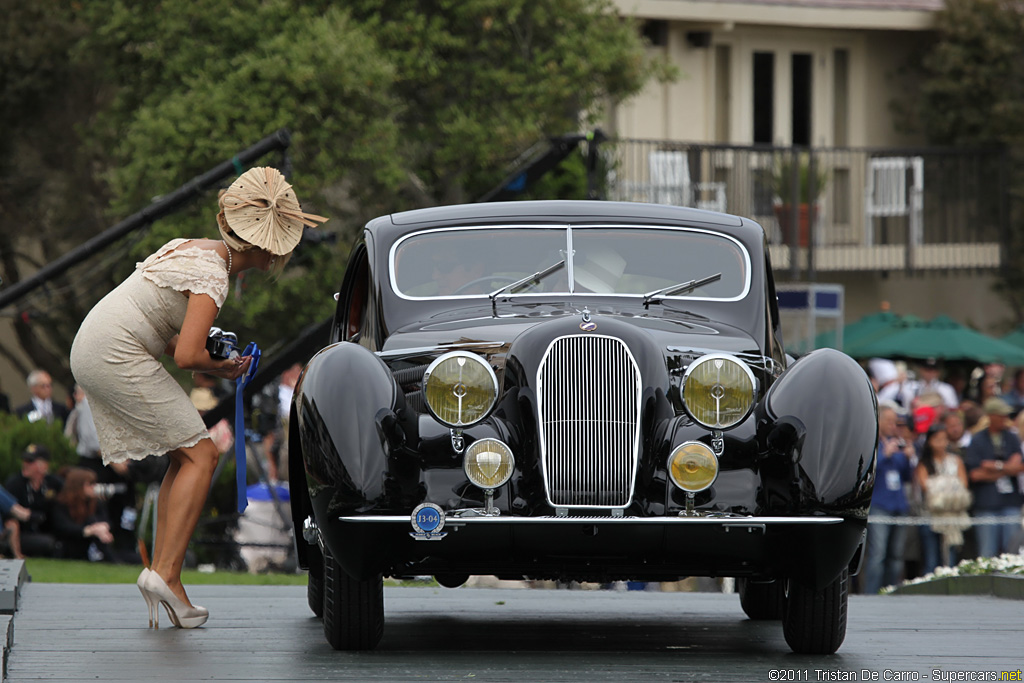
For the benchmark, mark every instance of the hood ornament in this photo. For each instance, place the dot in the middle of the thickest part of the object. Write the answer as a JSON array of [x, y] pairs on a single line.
[[587, 325]]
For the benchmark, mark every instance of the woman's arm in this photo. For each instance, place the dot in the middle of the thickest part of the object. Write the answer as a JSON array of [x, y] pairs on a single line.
[[921, 475], [961, 471], [190, 348]]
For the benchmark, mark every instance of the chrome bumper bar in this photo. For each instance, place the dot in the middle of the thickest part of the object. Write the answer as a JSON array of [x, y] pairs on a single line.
[[720, 521]]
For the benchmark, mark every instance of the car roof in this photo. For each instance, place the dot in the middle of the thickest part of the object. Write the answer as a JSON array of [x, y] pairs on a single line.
[[390, 227]]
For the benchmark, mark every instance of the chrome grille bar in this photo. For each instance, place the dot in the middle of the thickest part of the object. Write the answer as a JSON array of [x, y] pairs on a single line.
[[589, 406]]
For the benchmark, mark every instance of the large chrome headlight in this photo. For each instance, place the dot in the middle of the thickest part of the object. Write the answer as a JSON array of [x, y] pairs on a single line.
[[693, 466], [489, 463], [718, 391], [460, 388]]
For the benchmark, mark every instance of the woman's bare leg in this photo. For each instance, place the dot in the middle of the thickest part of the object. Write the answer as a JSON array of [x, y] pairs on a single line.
[[182, 505], [161, 510]]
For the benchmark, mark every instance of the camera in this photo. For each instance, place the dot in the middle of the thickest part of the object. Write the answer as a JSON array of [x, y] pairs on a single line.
[[222, 344], [106, 491]]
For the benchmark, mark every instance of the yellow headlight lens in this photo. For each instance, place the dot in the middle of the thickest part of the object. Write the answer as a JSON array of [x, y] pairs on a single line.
[[460, 388], [489, 463], [693, 466], [718, 391]]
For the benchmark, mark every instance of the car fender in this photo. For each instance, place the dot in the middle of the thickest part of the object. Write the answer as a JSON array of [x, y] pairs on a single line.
[[345, 399], [821, 418]]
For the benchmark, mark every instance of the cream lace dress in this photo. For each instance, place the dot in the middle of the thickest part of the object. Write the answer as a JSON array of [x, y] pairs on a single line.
[[139, 409]]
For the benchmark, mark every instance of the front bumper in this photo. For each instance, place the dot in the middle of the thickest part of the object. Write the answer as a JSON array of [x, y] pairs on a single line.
[[811, 549]]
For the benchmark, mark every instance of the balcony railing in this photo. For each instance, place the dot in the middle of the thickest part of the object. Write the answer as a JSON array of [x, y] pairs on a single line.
[[869, 208]]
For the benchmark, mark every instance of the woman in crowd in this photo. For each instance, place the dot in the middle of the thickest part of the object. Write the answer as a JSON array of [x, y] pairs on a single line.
[[80, 520], [167, 306], [942, 478]]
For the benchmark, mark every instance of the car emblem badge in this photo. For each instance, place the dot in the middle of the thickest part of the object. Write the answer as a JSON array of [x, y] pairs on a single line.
[[428, 520], [587, 325]]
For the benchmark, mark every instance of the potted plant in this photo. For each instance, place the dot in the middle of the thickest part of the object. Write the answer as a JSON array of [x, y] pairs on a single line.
[[796, 178]]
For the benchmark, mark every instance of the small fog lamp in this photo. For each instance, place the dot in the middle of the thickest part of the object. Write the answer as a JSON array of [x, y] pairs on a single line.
[[489, 463], [692, 466]]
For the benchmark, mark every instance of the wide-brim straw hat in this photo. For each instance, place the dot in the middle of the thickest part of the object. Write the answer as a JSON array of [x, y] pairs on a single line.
[[260, 207]]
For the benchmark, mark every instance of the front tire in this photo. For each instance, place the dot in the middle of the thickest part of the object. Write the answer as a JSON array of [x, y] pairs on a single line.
[[761, 601], [315, 582], [353, 610], [814, 621]]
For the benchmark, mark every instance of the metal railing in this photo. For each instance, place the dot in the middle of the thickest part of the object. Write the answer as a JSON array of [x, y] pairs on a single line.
[[879, 209]]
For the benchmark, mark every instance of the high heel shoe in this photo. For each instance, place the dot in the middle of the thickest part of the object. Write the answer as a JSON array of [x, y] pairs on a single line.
[[151, 603], [182, 614]]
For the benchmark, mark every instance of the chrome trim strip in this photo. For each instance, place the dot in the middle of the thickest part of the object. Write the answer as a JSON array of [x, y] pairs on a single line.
[[588, 404], [441, 348], [722, 521]]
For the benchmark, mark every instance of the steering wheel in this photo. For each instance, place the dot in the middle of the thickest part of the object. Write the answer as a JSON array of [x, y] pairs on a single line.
[[487, 279]]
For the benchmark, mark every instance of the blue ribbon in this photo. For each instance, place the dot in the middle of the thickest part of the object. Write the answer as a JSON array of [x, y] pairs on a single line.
[[240, 383]]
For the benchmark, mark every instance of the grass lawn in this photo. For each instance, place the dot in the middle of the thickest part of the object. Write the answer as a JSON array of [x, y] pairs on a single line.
[[44, 570]]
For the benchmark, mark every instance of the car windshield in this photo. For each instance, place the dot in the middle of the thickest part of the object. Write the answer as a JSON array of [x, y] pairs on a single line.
[[622, 261]]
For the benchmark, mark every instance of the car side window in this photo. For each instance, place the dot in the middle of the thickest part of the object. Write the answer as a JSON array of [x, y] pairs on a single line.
[[353, 302]]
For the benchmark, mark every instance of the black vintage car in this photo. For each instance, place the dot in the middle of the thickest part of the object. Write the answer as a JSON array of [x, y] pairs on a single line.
[[589, 391]]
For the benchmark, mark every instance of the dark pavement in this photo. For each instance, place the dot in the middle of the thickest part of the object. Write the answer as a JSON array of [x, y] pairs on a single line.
[[267, 633]]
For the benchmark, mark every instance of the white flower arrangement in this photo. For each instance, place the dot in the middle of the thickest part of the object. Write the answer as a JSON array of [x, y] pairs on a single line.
[[1007, 563]]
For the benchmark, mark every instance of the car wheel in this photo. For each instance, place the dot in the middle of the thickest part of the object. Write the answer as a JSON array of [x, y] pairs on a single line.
[[761, 600], [814, 621], [315, 583], [353, 611]]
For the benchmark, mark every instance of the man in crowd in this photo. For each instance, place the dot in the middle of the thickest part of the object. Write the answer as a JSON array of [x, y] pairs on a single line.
[[42, 406], [893, 470], [36, 489], [993, 462]]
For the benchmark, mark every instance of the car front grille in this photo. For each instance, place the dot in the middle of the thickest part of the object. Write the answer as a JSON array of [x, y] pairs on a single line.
[[589, 406]]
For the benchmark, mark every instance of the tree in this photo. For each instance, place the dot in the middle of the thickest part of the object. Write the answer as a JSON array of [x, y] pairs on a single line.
[[972, 93], [49, 194], [393, 104]]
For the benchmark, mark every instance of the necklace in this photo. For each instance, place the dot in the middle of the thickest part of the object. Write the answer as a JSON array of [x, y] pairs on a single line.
[[229, 255]]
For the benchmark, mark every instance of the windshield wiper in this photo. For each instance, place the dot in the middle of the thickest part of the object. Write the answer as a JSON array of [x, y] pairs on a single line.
[[529, 279], [681, 288]]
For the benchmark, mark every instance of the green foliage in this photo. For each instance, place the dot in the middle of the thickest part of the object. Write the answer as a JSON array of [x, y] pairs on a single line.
[[392, 105], [805, 190], [17, 433], [972, 93]]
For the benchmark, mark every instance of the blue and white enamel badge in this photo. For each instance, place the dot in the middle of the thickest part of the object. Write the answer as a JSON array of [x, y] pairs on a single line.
[[428, 520]]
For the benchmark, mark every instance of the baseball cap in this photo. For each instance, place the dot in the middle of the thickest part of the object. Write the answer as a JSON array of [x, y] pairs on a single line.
[[35, 452]]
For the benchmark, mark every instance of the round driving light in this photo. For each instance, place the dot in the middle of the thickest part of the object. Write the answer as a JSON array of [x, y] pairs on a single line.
[[718, 391], [693, 466], [489, 463], [460, 388]]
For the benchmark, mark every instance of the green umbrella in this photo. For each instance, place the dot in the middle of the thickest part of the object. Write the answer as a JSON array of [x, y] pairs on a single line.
[[867, 329], [942, 338], [1016, 337]]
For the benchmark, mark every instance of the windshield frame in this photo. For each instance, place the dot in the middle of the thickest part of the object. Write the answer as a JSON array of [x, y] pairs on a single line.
[[569, 229]]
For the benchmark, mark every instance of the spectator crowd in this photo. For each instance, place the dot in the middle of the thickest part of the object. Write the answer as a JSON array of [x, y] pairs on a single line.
[[89, 510], [949, 474]]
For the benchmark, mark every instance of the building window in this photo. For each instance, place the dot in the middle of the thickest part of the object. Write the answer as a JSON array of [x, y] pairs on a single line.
[[764, 97], [802, 65]]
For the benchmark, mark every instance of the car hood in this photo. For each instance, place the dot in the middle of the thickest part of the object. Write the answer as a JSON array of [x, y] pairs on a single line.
[[675, 330]]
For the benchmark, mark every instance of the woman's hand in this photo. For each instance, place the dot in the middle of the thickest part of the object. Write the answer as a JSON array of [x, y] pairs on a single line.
[[100, 531], [231, 368]]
